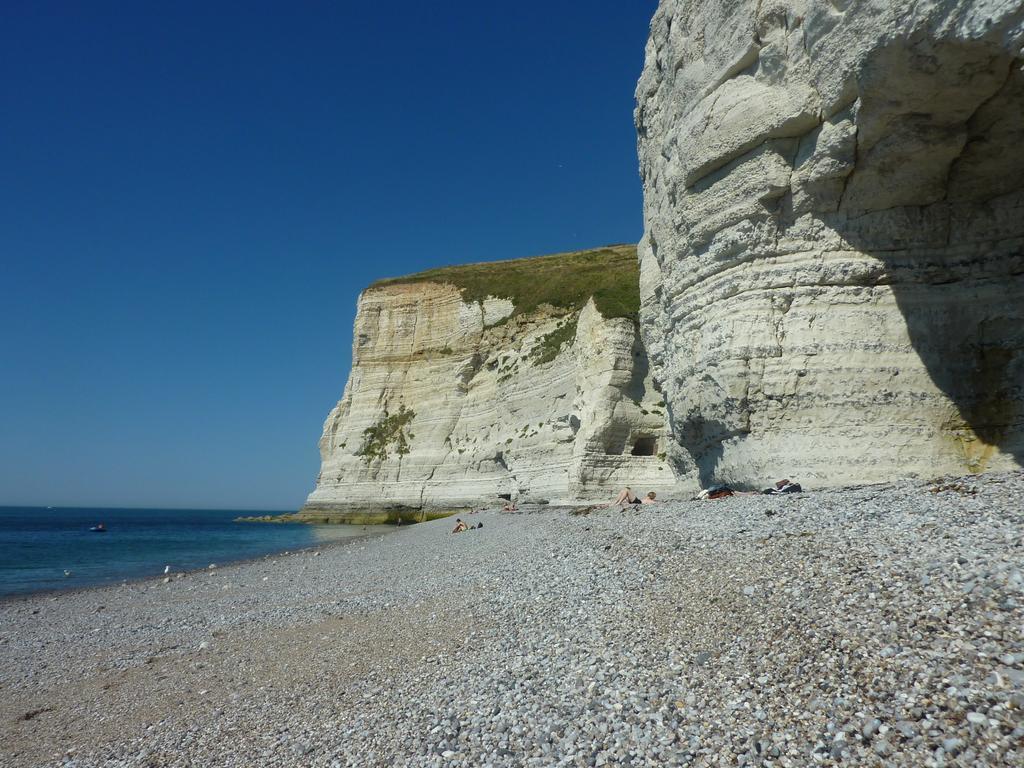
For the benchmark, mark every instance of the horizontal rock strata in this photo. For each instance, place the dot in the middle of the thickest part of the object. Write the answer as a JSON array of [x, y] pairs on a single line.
[[832, 269], [501, 379]]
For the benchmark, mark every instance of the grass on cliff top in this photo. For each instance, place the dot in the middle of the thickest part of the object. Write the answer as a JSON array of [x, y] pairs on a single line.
[[564, 280]]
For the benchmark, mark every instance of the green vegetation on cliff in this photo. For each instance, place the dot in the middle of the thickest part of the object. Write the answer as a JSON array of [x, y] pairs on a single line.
[[550, 344], [390, 430], [564, 280]]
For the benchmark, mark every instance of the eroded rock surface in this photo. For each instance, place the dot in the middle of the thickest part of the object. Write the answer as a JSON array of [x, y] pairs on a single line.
[[832, 269], [549, 404]]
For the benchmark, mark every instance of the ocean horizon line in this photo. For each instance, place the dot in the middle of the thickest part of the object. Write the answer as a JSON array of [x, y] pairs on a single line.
[[148, 508]]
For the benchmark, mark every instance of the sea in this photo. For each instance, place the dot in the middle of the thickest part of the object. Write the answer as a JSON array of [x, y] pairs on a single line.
[[47, 548]]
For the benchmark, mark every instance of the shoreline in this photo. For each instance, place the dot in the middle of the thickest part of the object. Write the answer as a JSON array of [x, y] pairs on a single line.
[[183, 574], [357, 515], [878, 625]]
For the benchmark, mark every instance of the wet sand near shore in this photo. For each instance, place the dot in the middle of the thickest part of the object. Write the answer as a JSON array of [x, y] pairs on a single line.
[[875, 626]]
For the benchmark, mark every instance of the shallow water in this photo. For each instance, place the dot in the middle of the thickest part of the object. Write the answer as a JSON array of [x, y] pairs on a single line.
[[44, 548]]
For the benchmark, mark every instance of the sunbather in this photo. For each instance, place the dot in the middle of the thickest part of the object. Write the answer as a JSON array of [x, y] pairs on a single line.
[[627, 497], [783, 486], [459, 526]]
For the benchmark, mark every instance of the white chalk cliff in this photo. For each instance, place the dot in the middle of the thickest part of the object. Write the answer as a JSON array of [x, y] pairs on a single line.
[[832, 269], [454, 400]]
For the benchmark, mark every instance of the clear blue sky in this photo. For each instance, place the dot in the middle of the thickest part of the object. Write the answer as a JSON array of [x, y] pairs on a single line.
[[195, 193]]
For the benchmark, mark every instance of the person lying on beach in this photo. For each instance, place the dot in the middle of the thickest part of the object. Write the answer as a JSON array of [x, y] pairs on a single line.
[[715, 492], [627, 497], [510, 507], [459, 526], [724, 491], [783, 486]]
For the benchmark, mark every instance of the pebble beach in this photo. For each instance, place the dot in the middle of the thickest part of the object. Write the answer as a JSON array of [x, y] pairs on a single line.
[[872, 626]]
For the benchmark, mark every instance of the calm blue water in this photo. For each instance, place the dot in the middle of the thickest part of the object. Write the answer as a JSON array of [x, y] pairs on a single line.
[[37, 545]]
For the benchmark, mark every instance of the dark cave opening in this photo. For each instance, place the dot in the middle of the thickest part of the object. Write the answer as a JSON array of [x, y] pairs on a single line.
[[644, 446]]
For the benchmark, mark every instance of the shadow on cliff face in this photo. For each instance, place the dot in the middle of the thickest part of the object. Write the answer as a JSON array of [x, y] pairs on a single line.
[[637, 387], [935, 192], [939, 199], [974, 352], [704, 440]]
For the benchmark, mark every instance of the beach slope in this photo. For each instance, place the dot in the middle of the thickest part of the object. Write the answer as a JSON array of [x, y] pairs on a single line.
[[878, 626]]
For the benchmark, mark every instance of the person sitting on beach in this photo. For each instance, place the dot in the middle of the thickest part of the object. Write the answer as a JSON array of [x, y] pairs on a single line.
[[510, 507], [459, 526], [627, 497]]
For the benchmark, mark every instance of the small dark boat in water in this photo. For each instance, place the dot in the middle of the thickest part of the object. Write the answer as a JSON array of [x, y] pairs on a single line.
[[101, 528]]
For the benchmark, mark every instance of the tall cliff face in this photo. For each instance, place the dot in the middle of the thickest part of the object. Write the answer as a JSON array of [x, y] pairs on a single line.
[[832, 272], [525, 378]]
